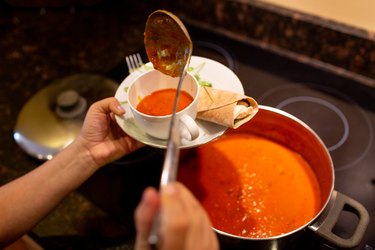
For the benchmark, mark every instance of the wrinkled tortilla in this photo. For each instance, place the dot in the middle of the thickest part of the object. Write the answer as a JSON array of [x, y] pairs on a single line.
[[225, 108]]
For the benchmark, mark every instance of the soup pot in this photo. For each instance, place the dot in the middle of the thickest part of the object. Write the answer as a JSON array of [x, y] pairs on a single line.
[[291, 132]]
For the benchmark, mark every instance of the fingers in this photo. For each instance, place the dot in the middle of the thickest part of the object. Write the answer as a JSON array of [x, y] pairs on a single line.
[[173, 218], [183, 222], [144, 215], [183, 217], [116, 107], [109, 105], [200, 229]]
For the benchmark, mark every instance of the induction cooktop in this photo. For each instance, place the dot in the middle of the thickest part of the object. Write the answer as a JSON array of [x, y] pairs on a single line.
[[340, 110]]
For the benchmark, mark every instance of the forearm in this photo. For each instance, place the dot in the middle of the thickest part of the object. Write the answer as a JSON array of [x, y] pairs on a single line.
[[27, 200]]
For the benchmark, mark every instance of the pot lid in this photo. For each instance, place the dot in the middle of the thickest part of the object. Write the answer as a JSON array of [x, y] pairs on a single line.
[[53, 117]]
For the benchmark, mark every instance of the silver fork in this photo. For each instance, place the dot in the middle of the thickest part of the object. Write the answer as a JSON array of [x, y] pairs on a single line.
[[133, 62]]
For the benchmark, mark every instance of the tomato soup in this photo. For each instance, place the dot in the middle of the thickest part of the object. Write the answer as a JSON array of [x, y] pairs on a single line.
[[161, 102], [251, 186]]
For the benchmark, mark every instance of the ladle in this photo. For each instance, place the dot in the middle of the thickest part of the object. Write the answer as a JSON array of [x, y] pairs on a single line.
[[169, 48]]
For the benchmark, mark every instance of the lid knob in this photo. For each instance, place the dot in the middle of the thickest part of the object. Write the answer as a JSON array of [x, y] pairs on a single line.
[[69, 104]]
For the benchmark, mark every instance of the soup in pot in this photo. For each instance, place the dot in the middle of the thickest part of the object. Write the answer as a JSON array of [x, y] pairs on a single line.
[[251, 186], [161, 102]]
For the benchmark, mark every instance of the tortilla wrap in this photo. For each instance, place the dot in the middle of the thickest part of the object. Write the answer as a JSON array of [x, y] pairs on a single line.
[[225, 108]]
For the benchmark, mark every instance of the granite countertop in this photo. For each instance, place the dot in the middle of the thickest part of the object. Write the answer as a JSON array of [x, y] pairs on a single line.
[[320, 42], [40, 44]]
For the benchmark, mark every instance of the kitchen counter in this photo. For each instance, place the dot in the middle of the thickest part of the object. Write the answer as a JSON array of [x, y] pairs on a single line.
[[38, 46], [42, 44], [316, 40]]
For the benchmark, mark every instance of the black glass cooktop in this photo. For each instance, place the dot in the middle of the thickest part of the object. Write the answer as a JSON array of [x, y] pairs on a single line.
[[340, 110]]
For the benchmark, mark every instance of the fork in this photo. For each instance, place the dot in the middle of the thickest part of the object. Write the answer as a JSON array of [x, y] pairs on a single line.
[[134, 62]]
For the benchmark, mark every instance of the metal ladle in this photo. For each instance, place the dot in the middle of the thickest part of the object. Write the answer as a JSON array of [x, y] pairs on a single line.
[[169, 48]]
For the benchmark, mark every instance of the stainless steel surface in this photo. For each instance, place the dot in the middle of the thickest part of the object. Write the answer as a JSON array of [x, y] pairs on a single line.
[[173, 63], [288, 130], [44, 126], [133, 62], [170, 165]]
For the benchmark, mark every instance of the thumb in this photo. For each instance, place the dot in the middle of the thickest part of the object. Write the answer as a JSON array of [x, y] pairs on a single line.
[[144, 216], [173, 218]]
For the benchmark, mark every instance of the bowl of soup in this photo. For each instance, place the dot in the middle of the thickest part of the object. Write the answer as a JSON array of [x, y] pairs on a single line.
[[269, 182], [151, 97]]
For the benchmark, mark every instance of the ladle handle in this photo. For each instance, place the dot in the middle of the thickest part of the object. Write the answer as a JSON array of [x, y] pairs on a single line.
[[170, 165], [169, 174], [323, 226]]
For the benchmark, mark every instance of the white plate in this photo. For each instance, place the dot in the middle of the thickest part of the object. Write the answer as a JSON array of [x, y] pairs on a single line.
[[206, 70]]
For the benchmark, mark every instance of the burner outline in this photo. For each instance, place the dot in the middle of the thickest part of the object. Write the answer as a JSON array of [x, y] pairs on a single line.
[[228, 56], [326, 104], [325, 89]]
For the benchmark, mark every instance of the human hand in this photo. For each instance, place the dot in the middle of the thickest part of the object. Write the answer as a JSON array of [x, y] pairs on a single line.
[[183, 222], [101, 136]]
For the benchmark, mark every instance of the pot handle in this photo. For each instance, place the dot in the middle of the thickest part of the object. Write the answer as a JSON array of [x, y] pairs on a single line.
[[327, 220]]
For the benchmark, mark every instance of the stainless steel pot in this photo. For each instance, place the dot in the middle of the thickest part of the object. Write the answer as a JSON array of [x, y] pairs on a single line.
[[286, 129]]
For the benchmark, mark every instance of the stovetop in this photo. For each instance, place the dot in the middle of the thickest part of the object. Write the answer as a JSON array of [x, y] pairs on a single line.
[[340, 110]]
